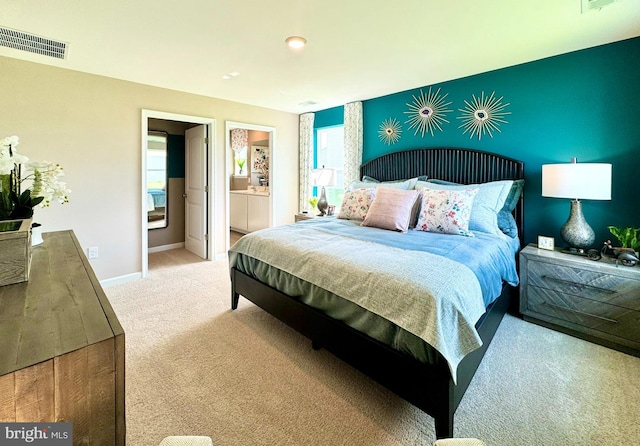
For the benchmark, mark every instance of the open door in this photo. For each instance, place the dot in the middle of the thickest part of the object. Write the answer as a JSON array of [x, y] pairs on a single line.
[[195, 185]]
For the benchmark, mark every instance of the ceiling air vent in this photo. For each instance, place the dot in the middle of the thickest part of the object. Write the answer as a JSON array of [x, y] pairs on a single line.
[[590, 5], [19, 40]]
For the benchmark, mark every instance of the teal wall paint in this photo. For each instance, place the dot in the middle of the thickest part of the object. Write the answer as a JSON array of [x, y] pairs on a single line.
[[175, 156], [329, 117], [582, 104]]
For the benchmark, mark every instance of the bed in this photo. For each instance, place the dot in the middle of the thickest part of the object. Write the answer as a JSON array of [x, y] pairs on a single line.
[[434, 379]]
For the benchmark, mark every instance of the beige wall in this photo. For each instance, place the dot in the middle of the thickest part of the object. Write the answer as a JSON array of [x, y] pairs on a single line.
[[91, 125]]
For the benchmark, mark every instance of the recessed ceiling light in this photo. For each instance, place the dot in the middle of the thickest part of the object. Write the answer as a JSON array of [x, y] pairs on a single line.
[[231, 75], [296, 41]]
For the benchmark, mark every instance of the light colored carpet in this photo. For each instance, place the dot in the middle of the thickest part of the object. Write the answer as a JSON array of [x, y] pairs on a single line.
[[194, 367]]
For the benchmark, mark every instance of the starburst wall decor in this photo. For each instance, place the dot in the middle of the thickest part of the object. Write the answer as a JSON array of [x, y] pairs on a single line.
[[483, 115], [428, 112], [390, 131]]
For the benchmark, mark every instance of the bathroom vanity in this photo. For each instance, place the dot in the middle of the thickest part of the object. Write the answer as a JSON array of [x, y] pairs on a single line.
[[249, 210]]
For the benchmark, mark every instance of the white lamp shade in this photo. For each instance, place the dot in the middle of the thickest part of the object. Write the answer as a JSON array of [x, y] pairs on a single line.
[[323, 177], [590, 181]]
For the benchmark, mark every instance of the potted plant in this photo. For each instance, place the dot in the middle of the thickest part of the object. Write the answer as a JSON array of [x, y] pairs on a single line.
[[241, 162], [313, 201], [16, 172], [629, 239], [23, 185]]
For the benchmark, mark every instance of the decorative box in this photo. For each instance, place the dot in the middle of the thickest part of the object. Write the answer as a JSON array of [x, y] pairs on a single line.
[[15, 251]]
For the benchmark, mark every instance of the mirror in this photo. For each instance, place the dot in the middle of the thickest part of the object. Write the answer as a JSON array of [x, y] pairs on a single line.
[[157, 181]]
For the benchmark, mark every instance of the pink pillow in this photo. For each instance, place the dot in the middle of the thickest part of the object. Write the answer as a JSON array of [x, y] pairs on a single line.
[[391, 209], [355, 204], [446, 211]]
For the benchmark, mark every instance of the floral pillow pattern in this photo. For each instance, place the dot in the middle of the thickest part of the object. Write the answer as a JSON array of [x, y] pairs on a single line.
[[446, 211], [356, 203]]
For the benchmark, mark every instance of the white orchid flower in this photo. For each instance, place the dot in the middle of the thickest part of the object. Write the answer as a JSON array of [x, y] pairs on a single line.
[[43, 179], [11, 141]]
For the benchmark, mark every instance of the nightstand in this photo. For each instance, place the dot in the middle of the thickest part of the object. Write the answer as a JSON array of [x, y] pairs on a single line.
[[304, 216], [596, 300]]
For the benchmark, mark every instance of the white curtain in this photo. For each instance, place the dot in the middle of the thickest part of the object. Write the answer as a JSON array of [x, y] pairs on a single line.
[[306, 158], [352, 141]]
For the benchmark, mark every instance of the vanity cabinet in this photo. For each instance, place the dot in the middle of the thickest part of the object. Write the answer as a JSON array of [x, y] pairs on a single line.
[[248, 211], [238, 212]]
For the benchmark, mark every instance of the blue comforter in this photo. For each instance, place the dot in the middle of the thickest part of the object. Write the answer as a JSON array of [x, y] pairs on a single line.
[[490, 257]]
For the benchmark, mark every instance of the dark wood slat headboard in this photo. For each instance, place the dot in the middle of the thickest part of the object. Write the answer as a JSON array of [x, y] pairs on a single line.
[[464, 166]]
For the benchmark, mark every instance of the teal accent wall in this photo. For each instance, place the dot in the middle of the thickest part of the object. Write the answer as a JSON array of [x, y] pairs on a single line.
[[329, 117], [175, 156], [582, 104]]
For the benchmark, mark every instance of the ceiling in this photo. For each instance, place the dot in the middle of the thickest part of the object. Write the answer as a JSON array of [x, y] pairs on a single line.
[[357, 49]]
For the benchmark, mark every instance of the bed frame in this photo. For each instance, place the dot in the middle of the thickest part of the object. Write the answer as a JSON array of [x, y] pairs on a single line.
[[428, 387]]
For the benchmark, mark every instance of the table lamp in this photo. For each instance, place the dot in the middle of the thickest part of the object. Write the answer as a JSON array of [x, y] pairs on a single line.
[[586, 181], [323, 177]]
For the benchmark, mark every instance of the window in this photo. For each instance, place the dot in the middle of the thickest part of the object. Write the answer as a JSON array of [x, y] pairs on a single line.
[[240, 161], [330, 154]]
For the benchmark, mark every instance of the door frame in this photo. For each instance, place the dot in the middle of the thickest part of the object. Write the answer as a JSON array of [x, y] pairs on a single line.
[[211, 175], [229, 167]]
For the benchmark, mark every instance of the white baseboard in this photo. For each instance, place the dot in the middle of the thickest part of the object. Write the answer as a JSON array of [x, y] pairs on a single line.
[[106, 283], [166, 247], [222, 256]]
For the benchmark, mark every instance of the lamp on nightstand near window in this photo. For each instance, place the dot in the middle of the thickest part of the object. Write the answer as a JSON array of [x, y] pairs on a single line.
[[587, 181], [324, 178]]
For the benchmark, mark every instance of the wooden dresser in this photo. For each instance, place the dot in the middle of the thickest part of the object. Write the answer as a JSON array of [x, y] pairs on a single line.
[[62, 355], [596, 300]]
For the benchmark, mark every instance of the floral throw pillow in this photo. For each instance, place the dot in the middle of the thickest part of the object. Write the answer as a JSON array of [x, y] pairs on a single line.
[[446, 211], [355, 204]]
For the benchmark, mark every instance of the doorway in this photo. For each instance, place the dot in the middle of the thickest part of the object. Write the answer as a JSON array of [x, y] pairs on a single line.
[[207, 178], [253, 176]]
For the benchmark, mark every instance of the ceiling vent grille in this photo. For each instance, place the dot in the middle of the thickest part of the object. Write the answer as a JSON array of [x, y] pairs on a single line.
[[591, 5], [19, 40]]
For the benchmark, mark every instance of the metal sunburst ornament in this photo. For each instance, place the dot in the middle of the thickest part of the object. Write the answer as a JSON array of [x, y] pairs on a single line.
[[428, 112], [390, 131], [483, 115]]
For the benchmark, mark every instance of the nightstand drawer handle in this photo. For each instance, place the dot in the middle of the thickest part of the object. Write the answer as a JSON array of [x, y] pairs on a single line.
[[579, 285], [582, 313]]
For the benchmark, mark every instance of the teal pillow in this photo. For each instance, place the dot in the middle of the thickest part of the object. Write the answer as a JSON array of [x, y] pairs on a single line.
[[506, 222], [487, 203], [426, 182], [370, 182], [412, 185], [437, 181], [514, 195]]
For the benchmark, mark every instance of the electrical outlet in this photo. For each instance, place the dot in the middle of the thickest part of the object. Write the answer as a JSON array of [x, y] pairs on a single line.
[[92, 252]]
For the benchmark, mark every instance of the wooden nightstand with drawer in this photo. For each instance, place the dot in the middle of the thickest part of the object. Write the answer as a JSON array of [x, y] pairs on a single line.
[[596, 300]]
